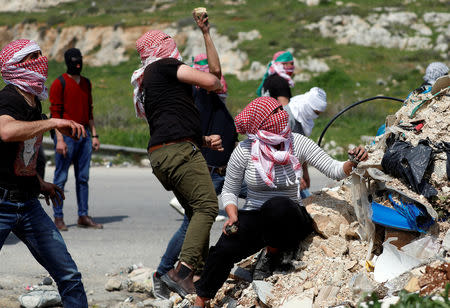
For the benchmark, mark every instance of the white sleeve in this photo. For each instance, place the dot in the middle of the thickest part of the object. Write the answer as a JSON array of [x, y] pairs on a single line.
[[234, 176], [307, 150]]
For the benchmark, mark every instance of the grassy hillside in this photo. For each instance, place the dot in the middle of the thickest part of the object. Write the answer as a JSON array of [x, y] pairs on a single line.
[[353, 75]]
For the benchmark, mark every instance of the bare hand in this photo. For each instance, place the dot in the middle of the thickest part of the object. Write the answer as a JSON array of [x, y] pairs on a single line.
[[53, 192], [69, 128], [214, 142], [303, 184], [232, 220], [219, 90], [307, 180], [61, 147], [360, 153], [202, 21], [95, 144]]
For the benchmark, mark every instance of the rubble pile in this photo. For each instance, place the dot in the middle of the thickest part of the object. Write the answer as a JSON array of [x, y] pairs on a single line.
[[325, 265], [422, 117], [332, 268], [328, 269]]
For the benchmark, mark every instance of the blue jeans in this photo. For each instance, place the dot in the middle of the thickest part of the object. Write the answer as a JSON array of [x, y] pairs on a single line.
[[29, 222], [173, 249], [79, 153], [304, 193]]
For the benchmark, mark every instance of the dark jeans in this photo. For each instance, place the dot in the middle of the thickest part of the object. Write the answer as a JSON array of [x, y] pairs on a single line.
[[173, 249], [79, 153], [181, 168], [253, 235], [29, 222]]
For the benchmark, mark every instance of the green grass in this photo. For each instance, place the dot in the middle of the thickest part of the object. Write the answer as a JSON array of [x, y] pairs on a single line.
[[353, 74], [412, 300]]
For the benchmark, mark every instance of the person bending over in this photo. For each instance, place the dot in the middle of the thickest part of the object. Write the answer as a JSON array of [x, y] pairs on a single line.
[[273, 216]]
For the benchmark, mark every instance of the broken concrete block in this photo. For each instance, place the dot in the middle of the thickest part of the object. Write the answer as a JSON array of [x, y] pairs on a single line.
[[350, 265], [327, 294], [140, 273], [263, 290], [308, 285], [335, 246], [158, 303], [140, 286], [338, 275], [328, 251], [446, 241], [349, 231], [38, 299], [328, 225], [360, 284], [412, 285], [113, 284], [298, 302], [140, 280]]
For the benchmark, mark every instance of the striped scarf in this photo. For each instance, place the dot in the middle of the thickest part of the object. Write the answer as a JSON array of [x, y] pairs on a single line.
[[276, 67], [268, 129], [29, 76], [152, 46]]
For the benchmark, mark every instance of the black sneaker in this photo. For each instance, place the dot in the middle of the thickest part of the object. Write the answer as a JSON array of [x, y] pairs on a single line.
[[159, 288], [264, 265]]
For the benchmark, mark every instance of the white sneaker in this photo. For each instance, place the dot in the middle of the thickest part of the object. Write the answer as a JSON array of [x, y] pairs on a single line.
[[176, 205], [220, 218]]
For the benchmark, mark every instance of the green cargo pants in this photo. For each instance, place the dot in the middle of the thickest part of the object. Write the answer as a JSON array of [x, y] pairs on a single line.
[[181, 168]]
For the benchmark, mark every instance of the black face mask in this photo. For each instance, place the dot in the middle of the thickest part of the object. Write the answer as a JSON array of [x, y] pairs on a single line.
[[74, 61]]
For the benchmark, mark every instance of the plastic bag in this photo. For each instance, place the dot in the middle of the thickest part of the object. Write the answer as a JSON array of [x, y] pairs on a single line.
[[393, 262], [409, 163], [363, 210]]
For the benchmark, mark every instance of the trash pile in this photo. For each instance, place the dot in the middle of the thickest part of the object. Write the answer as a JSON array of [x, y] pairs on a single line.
[[415, 151]]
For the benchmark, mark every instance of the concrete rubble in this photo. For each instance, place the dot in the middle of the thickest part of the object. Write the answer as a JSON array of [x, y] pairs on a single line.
[[45, 294]]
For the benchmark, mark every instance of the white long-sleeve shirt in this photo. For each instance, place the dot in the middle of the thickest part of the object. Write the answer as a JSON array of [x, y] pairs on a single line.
[[241, 167]]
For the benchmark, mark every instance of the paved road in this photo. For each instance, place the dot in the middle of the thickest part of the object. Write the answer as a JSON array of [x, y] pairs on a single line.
[[137, 220]]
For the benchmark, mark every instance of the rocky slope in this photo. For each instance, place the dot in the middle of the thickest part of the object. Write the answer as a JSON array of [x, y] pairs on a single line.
[[29, 5], [109, 45]]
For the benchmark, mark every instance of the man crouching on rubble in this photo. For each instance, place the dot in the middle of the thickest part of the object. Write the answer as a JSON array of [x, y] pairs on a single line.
[[24, 70]]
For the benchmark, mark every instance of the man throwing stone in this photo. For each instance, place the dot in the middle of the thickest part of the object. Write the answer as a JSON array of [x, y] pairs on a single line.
[[24, 70]]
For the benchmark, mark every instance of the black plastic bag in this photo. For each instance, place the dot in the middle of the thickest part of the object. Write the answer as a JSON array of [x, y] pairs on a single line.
[[409, 163]]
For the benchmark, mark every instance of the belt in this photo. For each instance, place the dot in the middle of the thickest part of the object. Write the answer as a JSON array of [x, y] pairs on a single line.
[[158, 146], [219, 170], [15, 196]]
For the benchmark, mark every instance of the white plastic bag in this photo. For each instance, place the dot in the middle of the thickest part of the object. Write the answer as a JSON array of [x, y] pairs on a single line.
[[393, 262]]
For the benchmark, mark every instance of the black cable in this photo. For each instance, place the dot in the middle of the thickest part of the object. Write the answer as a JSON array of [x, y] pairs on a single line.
[[350, 107]]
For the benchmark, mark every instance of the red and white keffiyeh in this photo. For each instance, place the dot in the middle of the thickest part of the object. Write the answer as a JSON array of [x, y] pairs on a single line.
[[201, 64], [29, 76], [152, 46], [267, 129], [277, 67]]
